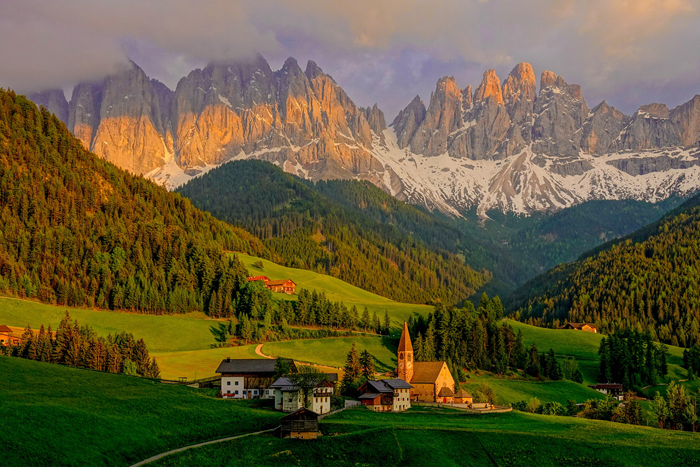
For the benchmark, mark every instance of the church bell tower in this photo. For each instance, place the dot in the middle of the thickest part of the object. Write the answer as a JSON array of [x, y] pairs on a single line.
[[405, 355]]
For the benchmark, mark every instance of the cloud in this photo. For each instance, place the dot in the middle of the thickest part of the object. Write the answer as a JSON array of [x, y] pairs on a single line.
[[390, 49]]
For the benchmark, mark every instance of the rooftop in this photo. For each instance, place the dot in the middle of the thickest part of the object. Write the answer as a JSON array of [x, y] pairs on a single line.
[[247, 365]]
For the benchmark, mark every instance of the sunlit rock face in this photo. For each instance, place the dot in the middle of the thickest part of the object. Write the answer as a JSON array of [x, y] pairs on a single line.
[[502, 146]]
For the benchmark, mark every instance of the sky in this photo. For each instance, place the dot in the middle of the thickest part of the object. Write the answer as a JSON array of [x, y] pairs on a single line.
[[629, 52]]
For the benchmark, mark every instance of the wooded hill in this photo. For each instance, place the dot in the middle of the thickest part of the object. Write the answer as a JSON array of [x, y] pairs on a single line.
[[647, 280], [347, 229], [75, 230]]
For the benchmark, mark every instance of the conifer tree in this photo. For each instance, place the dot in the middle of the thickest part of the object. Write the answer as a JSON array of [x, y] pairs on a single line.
[[387, 323], [367, 362]]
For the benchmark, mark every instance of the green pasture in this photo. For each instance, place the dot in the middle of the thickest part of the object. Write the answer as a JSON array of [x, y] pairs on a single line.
[[333, 351], [516, 388], [162, 333], [335, 289], [444, 437], [60, 416], [195, 364]]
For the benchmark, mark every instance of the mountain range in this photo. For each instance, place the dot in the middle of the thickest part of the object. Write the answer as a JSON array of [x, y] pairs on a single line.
[[503, 146]]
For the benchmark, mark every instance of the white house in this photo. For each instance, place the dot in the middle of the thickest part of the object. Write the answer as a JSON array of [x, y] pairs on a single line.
[[247, 378], [288, 396], [386, 395]]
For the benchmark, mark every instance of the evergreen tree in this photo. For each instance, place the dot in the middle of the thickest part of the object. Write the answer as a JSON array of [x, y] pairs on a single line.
[[387, 323], [367, 363]]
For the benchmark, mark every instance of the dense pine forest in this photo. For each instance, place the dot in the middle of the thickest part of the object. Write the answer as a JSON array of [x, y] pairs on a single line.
[[646, 281], [347, 229], [75, 230]]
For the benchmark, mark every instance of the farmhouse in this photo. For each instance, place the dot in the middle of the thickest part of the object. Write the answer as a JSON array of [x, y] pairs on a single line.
[[588, 327], [427, 378], [282, 286], [302, 424], [8, 337], [386, 395], [288, 396], [247, 378], [614, 389]]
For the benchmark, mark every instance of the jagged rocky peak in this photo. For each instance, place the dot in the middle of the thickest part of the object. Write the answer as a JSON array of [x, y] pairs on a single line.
[[443, 116], [602, 128], [375, 118], [490, 87], [408, 120], [520, 84], [550, 79], [84, 115], [650, 127], [53, 100], [313, 70], [520, 93]]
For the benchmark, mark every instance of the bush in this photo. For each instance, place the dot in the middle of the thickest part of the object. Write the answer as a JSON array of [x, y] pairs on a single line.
[[484, 393], [259, 265], [552, 408], [533, 406]]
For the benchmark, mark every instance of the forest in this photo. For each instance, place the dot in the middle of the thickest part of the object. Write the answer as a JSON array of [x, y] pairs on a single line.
[[646, 281], [347, 229], [77, 231], [633, 359]]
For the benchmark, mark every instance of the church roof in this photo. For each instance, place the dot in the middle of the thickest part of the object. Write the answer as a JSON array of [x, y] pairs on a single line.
[[426, 372], [405, 342]]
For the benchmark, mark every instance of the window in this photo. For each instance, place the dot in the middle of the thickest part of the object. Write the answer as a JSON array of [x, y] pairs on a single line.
[[236, 383], [228, 383], [236, 392], [255, 392], [228, 392]]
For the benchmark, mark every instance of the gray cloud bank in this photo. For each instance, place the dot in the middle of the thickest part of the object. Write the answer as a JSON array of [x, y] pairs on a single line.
[[385, 51]]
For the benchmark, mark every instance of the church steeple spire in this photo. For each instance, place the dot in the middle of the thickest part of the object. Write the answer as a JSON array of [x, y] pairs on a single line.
[[405, 355]]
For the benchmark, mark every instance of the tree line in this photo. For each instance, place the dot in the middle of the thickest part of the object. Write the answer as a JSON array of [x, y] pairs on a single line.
[[633, 359], [258, 319], [80, 346], [476, 338]]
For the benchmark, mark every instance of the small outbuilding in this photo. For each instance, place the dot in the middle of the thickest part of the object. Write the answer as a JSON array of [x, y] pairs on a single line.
[[463, 397], [302, 424], [588, 327], [613, 389]]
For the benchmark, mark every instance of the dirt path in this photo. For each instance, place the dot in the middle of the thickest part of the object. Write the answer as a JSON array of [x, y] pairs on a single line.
[[160, 456], [258, 350]]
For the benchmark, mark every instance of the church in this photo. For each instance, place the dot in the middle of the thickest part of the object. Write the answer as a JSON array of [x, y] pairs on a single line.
[[431, 381]]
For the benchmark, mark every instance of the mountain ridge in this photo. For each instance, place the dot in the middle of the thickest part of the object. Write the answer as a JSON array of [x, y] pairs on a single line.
[[504, 146]]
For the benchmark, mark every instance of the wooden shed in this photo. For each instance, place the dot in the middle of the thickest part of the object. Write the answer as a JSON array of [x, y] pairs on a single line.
[[302, 424]]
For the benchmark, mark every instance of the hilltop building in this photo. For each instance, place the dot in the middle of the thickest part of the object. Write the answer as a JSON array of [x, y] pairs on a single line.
[[247, 378], [431, 381], [386, 395], [614, 389], [8, 337], [588, 327], [287, 286]]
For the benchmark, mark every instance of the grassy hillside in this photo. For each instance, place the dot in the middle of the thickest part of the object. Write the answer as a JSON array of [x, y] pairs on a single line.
[[450, 438], [336, 290], [59, 416]]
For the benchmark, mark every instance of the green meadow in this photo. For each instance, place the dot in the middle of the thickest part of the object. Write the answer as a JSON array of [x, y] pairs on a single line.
[[444, 437], [335, 289], [60, 416]]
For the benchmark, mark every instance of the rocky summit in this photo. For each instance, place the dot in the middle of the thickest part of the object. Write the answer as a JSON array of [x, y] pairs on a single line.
[[505, 146]]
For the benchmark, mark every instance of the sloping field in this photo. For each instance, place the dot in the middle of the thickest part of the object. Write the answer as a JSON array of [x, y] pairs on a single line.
[[449, 438]]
